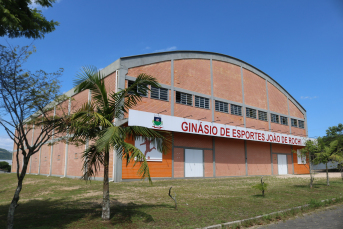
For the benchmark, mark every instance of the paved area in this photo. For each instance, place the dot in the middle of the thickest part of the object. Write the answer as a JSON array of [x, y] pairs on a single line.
[[330, 218], [317, 175]]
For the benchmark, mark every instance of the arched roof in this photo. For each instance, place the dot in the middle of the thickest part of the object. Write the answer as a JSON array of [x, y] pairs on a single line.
[[150, 58]]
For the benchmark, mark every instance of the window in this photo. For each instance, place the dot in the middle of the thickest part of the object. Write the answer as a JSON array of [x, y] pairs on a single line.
[[222, 107], [202, 102], [236, 110], [139, 90], [294, 122], [274, 118], [251, 113], [159, 93], [301, 124], [284, 120], [301, 158], [184, 98], [262, 116]]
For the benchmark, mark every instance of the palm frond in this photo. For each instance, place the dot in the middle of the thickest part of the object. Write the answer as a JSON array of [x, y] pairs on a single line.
[[127, 98], [92, 161], [131, 153], [161, 139], [90, 78]]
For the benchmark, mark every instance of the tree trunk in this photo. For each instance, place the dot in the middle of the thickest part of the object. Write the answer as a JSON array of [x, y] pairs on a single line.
[[15, 200], [327, 175], [106, 192]]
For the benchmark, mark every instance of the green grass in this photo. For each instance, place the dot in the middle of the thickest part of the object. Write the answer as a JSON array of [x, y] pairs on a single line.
[[51, 202]]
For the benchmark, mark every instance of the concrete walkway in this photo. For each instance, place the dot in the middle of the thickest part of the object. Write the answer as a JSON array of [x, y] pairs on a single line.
[[331, 217], [317, 175]]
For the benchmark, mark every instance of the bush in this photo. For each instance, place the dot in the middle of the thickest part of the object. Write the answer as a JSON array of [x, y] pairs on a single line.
[[5, 166], [262, 186]]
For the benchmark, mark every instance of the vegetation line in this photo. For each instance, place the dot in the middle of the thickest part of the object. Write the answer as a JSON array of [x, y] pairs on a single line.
[[236, 224]]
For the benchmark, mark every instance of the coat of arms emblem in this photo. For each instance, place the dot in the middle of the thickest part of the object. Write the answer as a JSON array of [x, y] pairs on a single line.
[[157, 122]]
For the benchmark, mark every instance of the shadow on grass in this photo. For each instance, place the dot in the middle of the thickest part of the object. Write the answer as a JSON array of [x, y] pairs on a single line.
[[258, 196], [307, 186], [81, 214]]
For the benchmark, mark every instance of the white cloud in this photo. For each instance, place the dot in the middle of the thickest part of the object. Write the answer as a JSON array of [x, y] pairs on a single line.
[[166, 49], [147, 47], [308, 97], [6, 143]]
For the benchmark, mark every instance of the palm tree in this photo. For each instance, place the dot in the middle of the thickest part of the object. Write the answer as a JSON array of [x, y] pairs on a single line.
[[94, 123]]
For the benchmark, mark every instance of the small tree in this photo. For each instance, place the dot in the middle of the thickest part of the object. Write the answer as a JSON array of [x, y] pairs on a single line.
[[328, 154], [262, 186], [307, 154], [24, 100]]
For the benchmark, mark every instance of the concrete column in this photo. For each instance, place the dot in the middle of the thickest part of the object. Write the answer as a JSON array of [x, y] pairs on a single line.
[[52, 147], [66, 150], [243, 101], [172, 88], [33, 129], [268, 115], [246, 157], [289, 117], [214, 156], [212, 92]]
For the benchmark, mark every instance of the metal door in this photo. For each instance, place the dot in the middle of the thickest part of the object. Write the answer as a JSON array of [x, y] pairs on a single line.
[[194, 164], [282, 164]]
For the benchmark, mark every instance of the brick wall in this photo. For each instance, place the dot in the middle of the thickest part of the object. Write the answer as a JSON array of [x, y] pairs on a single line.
[[161, 71], [58, 159], [75, 162], [193, 75], [277, 100], [255, 93], [45, 159], [294, 111], [259, 161], [227, 83], [230, 157]]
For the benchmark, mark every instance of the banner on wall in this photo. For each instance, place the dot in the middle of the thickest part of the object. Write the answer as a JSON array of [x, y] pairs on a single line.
[[184, 125], [147, 148]]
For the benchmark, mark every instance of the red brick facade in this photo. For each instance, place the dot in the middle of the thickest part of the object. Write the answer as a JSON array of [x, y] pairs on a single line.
[[212, 76]]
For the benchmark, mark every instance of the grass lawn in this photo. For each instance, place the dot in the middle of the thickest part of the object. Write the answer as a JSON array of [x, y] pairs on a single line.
[[51, 202]]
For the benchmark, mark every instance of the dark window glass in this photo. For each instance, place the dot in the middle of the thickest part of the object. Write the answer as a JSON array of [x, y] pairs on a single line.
[[262, 116], [236, 110], [140, 92], [274, 118], [301, 124], [202, 102], [159, 93], [251, 113], [294, 122], [284, 120], [222, 107], [184, 98]]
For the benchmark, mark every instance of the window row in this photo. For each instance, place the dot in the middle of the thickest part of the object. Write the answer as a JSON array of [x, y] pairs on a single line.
[[202, 102], [284, 121], [156, 93]]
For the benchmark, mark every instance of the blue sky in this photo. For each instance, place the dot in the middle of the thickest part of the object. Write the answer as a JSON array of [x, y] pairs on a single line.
[[298, 43]]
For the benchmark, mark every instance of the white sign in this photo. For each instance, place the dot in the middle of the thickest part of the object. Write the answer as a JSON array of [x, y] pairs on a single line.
[[184, 125], [150, 151]]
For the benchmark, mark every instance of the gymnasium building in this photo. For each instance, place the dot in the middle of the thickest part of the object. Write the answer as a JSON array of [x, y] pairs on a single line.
[[227, 118]]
